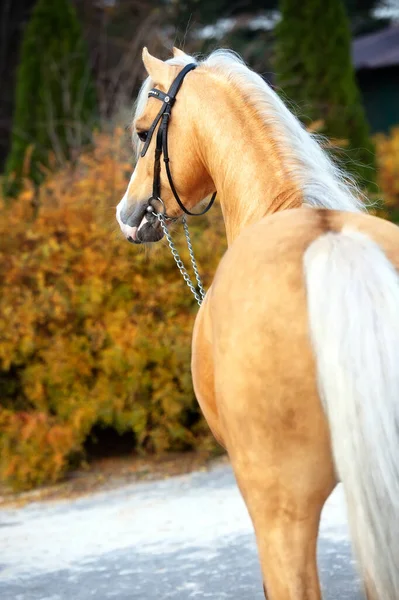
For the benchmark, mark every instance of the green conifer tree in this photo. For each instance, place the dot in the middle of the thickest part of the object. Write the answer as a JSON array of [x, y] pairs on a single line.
[[314, 70], [55, 104]]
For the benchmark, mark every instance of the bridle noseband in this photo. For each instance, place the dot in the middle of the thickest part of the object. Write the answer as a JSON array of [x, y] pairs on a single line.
[[161, 147]]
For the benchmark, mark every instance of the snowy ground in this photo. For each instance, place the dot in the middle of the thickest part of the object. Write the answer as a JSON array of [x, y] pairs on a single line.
[[181, 538]]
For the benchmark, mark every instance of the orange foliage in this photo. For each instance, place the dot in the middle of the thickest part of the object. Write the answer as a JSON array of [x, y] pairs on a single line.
[[93, 329], [387, 150], [31, 440]]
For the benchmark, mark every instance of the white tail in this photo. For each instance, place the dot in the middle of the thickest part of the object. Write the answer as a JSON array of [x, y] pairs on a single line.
[[353, 303]]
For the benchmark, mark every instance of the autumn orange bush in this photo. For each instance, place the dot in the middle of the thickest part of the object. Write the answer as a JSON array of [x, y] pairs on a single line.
[[93, 330], [387, 151]]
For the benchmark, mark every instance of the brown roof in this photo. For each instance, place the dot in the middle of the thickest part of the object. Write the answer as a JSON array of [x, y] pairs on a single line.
[[376, 50]]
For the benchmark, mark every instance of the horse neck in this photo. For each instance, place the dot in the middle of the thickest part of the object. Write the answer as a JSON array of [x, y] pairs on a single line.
[[244, 162]]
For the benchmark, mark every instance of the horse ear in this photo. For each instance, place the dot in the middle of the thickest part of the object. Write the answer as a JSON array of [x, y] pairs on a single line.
[[158, 70], [177, 52]]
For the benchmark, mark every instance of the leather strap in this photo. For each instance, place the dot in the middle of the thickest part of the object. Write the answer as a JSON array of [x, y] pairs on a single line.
[[168, 100], [161, 147]]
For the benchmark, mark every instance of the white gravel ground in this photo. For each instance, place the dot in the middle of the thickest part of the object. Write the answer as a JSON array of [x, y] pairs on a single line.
[[199, 519]]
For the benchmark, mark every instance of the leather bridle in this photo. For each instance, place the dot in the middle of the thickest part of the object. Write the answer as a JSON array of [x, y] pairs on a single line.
[[161, 146]]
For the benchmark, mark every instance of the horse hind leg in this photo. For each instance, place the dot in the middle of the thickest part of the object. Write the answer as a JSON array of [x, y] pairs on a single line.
[[286, 521], [287, 554], [279, 446]]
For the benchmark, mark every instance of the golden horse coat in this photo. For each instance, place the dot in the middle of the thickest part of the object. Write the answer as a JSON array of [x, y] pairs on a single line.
[[296, 345]]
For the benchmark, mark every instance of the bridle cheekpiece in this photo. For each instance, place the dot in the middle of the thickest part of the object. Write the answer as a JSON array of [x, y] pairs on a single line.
[[156, 207], [161, 148]]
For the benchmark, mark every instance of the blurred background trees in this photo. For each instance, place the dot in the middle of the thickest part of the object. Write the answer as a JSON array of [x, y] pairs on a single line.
[[95, 335], [314, 69], [116, 30], [55, 102]]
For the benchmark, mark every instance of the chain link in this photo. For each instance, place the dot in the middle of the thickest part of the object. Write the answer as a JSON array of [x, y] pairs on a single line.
[[199, 294]]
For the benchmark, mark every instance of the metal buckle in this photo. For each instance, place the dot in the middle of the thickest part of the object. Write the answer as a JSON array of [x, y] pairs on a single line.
[[153, 213], [152, 206]]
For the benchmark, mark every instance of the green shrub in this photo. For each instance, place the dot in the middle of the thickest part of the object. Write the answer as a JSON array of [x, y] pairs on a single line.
[[314, 69], [55, 102]]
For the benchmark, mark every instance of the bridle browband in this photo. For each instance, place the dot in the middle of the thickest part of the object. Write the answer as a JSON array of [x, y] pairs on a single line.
[[161, 147]]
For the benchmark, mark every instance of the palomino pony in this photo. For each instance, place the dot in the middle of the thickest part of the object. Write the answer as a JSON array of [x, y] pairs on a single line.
[[295, 354]]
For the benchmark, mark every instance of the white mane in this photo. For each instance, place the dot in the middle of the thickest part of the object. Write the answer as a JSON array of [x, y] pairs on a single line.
[[323, 183]]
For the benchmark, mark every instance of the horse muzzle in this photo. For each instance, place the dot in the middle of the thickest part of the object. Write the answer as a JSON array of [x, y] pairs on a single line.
[[139, 225]]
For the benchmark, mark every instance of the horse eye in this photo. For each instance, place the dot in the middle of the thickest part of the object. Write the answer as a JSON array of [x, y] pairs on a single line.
[[142, 135]]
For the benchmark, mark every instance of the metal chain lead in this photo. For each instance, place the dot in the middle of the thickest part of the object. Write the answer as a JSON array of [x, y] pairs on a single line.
[[193, 261], [200, 294]]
